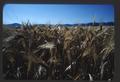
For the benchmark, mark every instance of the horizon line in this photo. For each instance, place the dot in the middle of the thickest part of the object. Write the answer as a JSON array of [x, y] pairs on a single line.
[[61, 23]]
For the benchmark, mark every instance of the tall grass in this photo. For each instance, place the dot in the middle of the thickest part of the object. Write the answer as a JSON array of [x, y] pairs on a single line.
[[59, 54]]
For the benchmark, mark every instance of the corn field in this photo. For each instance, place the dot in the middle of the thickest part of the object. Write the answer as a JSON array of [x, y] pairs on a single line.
[[44, 53]]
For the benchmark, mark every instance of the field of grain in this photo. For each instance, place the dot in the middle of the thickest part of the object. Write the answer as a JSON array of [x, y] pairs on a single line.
[[44, 53]]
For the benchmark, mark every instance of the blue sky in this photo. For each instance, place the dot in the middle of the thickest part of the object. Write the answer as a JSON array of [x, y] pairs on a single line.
[[56, 13]]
